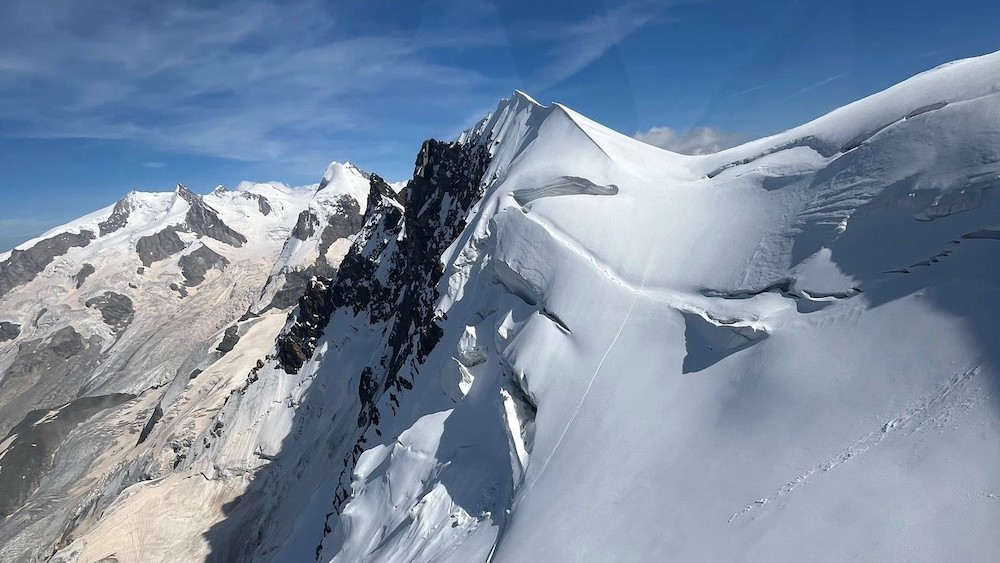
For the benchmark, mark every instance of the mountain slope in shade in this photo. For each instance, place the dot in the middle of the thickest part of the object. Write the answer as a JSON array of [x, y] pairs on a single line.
[[557, 343]]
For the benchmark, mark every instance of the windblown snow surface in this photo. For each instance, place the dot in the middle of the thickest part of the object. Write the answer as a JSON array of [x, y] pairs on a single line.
[[785, 351]]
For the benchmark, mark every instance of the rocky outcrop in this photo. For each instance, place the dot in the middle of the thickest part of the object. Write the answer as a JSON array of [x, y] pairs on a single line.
[[294, 287], [263, 205], [83, 274], [23, 265], [180, 289], [390, 279], [28, 457], [117, 219], [116, 309], [447, 182], [9, 331], [305, 226], [298, 343], [153, 419], [205, 221], [52, 359], [229, 339], [195, 265], [201, 220], [156, 247], [411, 241], [346, 221]]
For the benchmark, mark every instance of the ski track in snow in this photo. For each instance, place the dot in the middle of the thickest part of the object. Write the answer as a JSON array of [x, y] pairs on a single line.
[[934, 411], [563, 238], [586, 392]]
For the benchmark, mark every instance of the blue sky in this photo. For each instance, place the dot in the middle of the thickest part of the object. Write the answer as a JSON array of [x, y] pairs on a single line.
[[98, 98]]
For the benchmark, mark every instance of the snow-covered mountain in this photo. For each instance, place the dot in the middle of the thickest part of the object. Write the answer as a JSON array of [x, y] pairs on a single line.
[[557, 343], [130, 319]]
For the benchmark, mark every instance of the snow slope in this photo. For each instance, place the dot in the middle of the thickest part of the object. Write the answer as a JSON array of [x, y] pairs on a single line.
[[557, 343], [784, 351]]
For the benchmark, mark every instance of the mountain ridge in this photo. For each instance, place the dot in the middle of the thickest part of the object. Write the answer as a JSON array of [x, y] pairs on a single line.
[[559, 343]]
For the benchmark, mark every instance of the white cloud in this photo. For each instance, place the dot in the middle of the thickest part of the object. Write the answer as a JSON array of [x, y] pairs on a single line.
[[699, 140]]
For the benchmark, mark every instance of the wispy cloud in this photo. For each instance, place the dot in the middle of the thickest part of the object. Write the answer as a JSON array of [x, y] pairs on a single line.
[[699, 140], [814, 85], [261, 80], [576, 45], [749, 90]]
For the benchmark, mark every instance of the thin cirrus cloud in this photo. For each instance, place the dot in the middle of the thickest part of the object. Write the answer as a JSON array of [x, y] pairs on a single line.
[[291, 84], [579, 44], [254, 81], [698, 140]]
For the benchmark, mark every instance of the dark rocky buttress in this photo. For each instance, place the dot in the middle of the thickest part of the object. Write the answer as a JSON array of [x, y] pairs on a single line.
[[391, 276], [23, 265], [409, 291]]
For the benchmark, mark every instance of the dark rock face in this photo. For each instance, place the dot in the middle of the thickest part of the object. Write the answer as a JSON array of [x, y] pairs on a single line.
[[148, 427], [409, 291], [388, 281], [180, 289], [195, 265], [205, 221], [263, 205], [29, 457], [65, 344], [305, 226], [201, 220], [346, 221], [297, 345], [118, 219], [448, 181], [429, 227], [294, 287], [9, 331], [24, 265], [229, 339], [116, 309], [156, 247], [83, 274], [50, 360]]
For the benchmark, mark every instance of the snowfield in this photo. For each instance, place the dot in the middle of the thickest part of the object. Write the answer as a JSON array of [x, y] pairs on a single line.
[[558, 343], [781, 352]]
